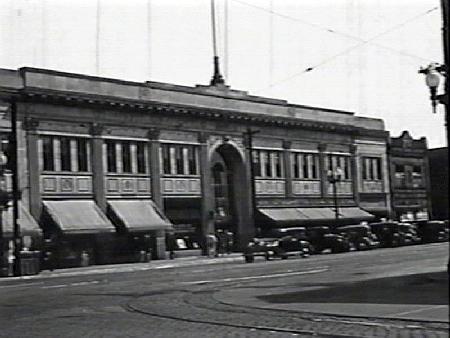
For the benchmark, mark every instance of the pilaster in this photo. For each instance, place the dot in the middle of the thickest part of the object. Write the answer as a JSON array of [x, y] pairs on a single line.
[[35, 199], [287, 167], [322, 169], [98, 171], [155, 166]]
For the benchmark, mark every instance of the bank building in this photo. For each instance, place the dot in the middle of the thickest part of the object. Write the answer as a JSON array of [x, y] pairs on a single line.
[[107, 167]]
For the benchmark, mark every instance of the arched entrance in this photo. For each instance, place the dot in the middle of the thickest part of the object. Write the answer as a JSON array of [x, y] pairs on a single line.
[[230, 191]]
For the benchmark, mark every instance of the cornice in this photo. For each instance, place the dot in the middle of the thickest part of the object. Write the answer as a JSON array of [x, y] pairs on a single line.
[[31, 94]]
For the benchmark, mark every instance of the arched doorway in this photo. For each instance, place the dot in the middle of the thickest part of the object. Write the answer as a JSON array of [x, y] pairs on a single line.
[[230, 191]]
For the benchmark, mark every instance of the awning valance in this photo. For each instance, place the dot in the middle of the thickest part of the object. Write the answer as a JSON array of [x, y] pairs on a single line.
[[305, 216], [355, 213], [78, 216], [139, 215], [28, 226]]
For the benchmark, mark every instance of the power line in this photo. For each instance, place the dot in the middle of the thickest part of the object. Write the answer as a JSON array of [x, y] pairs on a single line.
[[342, 34], [347, 50]]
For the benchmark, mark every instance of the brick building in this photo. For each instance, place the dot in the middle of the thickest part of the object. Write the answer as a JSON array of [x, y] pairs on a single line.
[[410, 177]]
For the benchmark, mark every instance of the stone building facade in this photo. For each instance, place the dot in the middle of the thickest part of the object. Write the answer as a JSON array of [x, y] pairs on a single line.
[[438, 159], [410, 177], [115, 156]]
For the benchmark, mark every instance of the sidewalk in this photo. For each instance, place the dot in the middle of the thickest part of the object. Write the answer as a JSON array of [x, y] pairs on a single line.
[[130, 267], [416, 297]]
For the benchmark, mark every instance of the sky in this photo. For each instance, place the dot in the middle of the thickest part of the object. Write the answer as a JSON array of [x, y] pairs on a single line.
[[361, 56]]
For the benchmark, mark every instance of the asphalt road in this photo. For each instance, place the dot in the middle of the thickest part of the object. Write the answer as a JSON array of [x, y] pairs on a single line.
[[399, 292]]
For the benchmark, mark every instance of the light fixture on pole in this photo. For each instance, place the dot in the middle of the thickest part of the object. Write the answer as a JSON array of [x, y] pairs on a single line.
[[334, 177], [433, 75]]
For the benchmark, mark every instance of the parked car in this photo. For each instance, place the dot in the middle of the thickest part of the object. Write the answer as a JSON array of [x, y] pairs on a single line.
[[258, 247], [360, 236], [321, 238], [291, 242], [409, 234], [388, 233], [278, 243], [433, 231]]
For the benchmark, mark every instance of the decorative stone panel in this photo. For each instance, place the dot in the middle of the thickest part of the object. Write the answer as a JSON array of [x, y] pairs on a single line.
[[127, 185], [270, 187], [181, 186], [342, 188], [372, 186], [66, 184], [305, 187]]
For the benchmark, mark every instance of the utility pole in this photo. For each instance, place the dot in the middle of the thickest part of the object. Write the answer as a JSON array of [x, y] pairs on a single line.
[[15, 187], [249, 135]]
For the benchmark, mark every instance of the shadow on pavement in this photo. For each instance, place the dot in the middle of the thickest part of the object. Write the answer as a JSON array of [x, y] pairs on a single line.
[[429, 288]]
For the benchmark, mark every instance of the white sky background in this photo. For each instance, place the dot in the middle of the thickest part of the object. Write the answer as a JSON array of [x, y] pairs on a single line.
[[170, 41]]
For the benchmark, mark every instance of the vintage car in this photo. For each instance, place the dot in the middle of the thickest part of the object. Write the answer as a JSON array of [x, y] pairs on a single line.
[[278, 243], [360, 236], [432, 231], [321, 238], [388, 233], [258, 247], [409, 234]]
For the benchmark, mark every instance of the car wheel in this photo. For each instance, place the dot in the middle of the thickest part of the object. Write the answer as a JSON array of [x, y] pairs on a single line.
[[249, 259]]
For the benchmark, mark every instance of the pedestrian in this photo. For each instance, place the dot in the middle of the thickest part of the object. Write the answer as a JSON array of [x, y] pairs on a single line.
[[229, 242], [171, 243]]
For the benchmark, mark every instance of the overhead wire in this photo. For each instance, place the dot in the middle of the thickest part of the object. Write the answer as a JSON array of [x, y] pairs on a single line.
[[347, 50], [343, 34]]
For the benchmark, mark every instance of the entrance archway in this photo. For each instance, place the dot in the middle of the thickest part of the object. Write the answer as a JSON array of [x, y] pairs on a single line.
[[230, 191]]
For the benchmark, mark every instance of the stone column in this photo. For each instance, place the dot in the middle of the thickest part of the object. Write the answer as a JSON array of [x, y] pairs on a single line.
[[98, 172], [287, 168], [207, 193], [355, 172], [155, 178], [32, 137], [323, 171]]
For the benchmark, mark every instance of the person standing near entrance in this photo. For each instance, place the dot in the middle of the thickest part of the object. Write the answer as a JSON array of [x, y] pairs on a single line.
[[229, 242]]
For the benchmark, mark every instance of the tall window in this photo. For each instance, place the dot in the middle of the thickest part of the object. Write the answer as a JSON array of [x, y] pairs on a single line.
[[66, 162], [305, 166], [126, 157], [371, 169], [400, 176], [111, 156], [342, 162], [71, 155], [82, 154], [417, 179], [268, 163], [140, 157], [48, 153], [179, 159]]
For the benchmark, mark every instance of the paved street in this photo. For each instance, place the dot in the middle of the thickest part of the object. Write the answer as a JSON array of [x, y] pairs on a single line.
[[399, 292]]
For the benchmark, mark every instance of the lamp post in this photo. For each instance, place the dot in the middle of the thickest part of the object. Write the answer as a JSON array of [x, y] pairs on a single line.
[[334, 177]]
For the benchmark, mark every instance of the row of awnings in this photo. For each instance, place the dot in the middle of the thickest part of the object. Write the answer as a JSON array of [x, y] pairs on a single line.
[[85, 217], [303, 216]]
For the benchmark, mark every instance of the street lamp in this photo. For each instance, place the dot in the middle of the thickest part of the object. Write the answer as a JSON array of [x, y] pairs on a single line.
[[433, 75], [333, 177]]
